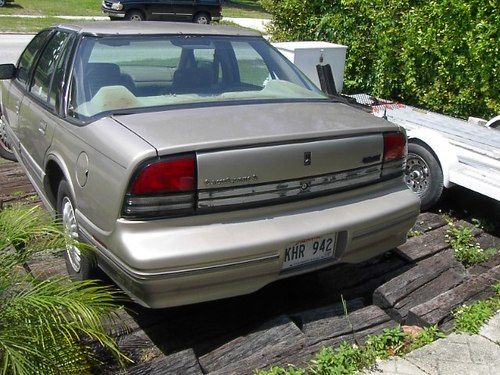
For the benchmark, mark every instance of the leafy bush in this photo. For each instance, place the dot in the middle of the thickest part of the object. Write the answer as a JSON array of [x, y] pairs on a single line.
[[439, 54], [46, 326]]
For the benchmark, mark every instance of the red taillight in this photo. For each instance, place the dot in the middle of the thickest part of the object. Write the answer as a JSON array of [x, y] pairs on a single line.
[[175, 175], [394, 146]]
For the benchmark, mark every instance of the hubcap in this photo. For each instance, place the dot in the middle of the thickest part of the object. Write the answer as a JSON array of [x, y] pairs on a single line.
[[135, 18], [71, 229], [417, 174], [202, 20], [3, 136]]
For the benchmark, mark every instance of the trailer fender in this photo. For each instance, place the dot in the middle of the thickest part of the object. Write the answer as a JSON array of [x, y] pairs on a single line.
[[441, 148]]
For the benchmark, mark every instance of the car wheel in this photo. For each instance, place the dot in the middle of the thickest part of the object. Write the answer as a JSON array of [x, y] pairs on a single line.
[[2, 3], [202, 18], [423, 175], [5, 147], [135, 15], [80, 265]]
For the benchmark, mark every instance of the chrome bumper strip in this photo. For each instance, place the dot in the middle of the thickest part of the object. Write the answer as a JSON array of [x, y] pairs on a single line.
[[302, 188]]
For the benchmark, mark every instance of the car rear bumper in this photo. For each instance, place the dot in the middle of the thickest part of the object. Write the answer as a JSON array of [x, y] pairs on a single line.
[[188, 260]]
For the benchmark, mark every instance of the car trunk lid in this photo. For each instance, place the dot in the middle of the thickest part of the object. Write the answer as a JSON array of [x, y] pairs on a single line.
[[249, 154]]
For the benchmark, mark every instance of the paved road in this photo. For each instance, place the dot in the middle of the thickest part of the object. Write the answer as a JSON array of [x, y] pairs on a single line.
[[11, 46]]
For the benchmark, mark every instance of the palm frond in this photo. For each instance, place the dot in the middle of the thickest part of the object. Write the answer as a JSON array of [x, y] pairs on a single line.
[[48, 326]]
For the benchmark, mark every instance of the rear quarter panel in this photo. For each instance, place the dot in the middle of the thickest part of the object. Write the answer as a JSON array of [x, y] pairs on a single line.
[[112, 152]]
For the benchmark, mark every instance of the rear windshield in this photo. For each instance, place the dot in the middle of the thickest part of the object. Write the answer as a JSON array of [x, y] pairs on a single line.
[[126, 73]]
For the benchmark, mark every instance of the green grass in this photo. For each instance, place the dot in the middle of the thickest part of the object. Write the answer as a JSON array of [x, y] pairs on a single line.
[[244, 9], [54, 8], [234, 8], [350, 359], [470, 318]]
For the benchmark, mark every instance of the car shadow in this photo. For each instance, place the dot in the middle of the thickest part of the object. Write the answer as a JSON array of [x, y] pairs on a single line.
[[466, 204], [206, 326]]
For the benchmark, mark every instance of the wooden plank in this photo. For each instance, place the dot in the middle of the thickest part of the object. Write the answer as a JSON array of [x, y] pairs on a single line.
[[14, 185], [353, 328], [437, 310], [487, 241], [336, 309], [428, 221], [183, 362], [138, 347], [48, 265], [427, 278], [428, 244], [355, 280], [277, 333], [423, 246], [333, 330]]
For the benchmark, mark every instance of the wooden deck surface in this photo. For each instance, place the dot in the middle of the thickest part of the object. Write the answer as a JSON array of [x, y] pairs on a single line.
[[14, 185]]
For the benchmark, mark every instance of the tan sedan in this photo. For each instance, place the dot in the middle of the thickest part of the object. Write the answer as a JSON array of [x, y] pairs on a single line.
[[198, 161]]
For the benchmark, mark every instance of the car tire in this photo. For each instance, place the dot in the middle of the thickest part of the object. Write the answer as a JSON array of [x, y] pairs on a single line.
[[135, 15], [2, 3], [423, 175], [80, 266], [202, 18], [5, 148]]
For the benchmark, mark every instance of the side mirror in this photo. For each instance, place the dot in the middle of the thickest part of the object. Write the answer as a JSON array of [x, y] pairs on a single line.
[[7, 71]]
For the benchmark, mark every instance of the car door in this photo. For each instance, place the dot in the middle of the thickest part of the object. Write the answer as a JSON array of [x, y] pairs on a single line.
[[184, 9], [162, 10], [14, 92], [39, 108]]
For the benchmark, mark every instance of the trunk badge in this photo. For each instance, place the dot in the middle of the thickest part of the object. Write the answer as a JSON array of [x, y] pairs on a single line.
[[307, 158]]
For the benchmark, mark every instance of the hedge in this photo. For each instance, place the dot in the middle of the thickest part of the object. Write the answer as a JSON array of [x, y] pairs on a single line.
[[441, 55]]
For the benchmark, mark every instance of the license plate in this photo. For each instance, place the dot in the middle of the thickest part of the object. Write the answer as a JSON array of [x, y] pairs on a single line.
[[309, 250]]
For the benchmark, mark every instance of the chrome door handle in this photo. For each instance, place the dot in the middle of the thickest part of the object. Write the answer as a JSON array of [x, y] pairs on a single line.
[[42, 127]]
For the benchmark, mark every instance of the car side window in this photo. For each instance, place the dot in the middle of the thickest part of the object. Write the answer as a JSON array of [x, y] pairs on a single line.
[[49, 59], [28, 56], [57, 79]]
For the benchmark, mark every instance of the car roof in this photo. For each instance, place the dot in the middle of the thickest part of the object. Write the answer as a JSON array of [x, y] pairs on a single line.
[[154, 28]]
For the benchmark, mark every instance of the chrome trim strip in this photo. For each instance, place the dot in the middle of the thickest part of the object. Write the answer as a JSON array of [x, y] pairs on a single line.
[[394, 167], [287, 189], [157, 208], [215, 267], [159, 200]]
